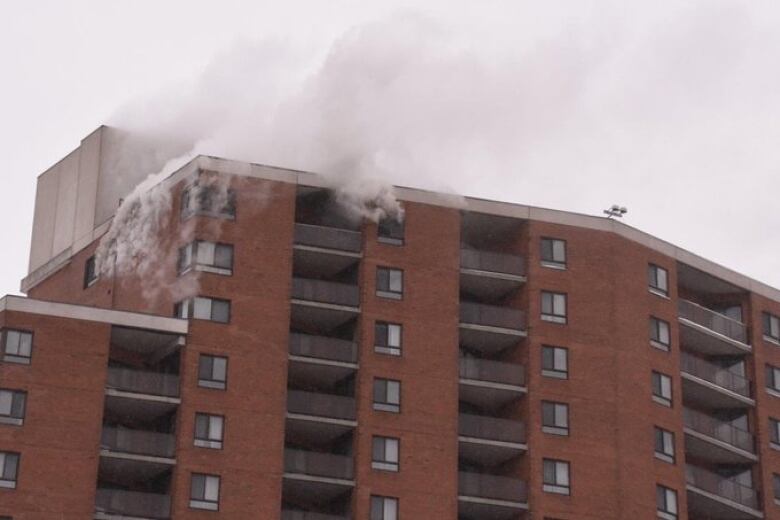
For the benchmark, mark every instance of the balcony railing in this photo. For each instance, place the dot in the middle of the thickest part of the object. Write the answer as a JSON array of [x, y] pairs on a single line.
[[321, 405], [289, 514], [491, 316], [142, 382], [492, 371], [492, 262], [138, 442], [713, 321], [322, 347], [491, 428], [722, 431], [721, 486], [490, 486], [328, 237], [133, 503], [318, 464], [715, 374], [325, 292]]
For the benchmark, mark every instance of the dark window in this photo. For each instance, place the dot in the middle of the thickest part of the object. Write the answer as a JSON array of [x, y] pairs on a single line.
[[555, 418], [384, 508], [662, 388], [391, 231], [773, 378], [206, 256], [658, 279], [387, 395], [385, 453], [90, 272], [17, 346], [776, 485], [204, 492], [554, 253], [389, 283], [9, 469], [774, 431], [553, 307], [771, 327], [12, 404], [212, 372], [556, 476], [203, 308], [387, 338], [666, 502], [664, 444], [211, 201], [555, 362], [209, 430], [659, 333]]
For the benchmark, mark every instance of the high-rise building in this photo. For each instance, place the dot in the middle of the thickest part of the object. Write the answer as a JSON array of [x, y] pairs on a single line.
[[270, 355]]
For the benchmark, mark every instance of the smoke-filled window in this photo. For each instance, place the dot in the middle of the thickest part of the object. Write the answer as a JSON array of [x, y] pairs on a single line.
[[206, 256], [212, 201], [90, 272], [202, 308], [391, 231]]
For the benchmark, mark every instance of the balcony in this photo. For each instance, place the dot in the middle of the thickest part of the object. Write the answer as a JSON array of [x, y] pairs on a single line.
[[149, 384], [322, 348], [138, 442], [316, 464], [713, 496], [327, 237], [111, 503], [709, 332], [323, 305], [316, 404], [712, 386], [483, 497], [323, 251], [290, 514], [489, 276], [711, 439], [489, 328], [489, 441], [490, 384]]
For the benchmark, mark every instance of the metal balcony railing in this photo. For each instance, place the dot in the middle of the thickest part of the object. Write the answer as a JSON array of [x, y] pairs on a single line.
[[491, 316], [722, 431], [321, 405], [133, 503], [492, 262], [721, 486], [715, 374], [325, 292], [491, 428], [492, 371], [712, 320], [322, 347], [138, 442], [142, 382], [318, 464], [328, 237], [289, 514], [491, 486]]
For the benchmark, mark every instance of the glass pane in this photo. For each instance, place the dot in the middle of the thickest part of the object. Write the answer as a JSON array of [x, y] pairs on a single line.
[[396, 281], [561, 362], [562, 473], [378, 449], [202, 309], [559, 251], [394, 335], [380, 391], [205, 367], [547, 250], [380, 334], [661, 279], [391, 509], [212, 488], [666, 387], [668, 443], [561, 415], [548, 358], [671, 501], [559, 304], [220, 311], [774, 324], [224, 256], [6, 401], [201, 426], [12, 342], [663, 332], [547, 303], [206, 253], [9, 466], [219, 372], [548, 414], [377, 508], [393, 392], [391, 450], [382, 279], [215, 427], [549, 472], [198, 486]]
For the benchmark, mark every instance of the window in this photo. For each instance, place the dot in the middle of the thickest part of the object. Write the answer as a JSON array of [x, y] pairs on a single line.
[[206, 256], [212, 372], [774, 433], [664, 445], [387, 395], [202, 308], [555, 418], [553, 307], [662, 389], [9, 469], [212, 201], [555, 362], [391, 231], [554, 253], [773, 379], [17, 346], [666, 502], [776, 487], [659, 333], [385, 453], [12, 403], [771, 327], [209, 430], [384, 508], [556, 477], [387, 338], [204, 492], [90, 272], [389, 283], [658, 280]]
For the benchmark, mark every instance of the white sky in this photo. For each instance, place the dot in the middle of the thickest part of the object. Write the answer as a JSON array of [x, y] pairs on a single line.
[[670, 107]]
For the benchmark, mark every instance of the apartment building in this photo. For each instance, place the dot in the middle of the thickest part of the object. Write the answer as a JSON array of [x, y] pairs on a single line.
[[477, 361]]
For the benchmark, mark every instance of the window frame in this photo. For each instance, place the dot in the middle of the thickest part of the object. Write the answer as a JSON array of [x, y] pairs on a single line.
[[214, 384], [204, 503], [385, 405], [767, 319], [190, 251], [16, 396], [382, 344], [9, 480], [557, 485], [185, 309], [208, 441], [190, 206], [392, 236], [384, 500], [662, 502], [774, 433], [656, 339], [389, 292], [90, 272], [557, 410], [552, 262], [553, 316], [385, 463], [16, 358], [772, 379], [653, 280], [555, 372], [659, 397], [664, 435]]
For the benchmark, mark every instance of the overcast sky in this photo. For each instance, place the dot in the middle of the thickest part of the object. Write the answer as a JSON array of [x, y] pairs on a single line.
[[669, 108]]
